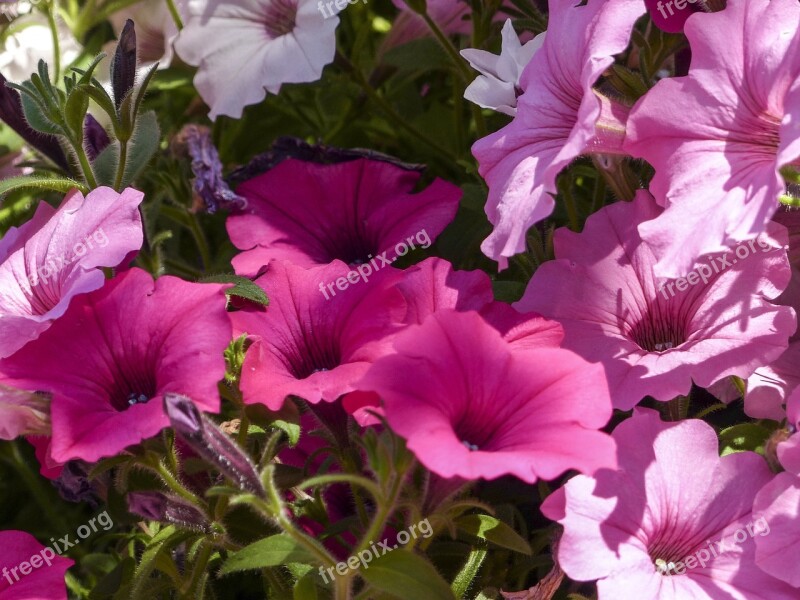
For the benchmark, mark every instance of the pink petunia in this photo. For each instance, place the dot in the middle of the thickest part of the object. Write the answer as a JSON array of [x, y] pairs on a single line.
[[675, 522], [477, 408], [789, 451], [29, 571], [363, 212], [778, 553], [558, 117], [314, 347], [719, 136], [108, 361], [23, 413], [655, 340], [57, 255]]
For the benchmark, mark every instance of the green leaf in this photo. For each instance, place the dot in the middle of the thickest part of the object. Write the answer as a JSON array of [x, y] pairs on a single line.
[[75, 111], [141, 147], [743, 437], [36, 117], [243, 287], [57, 184], [493, 530], [404, 575], [270, 552], [306, 587], [105, 165], [292, 430], [101, 97]]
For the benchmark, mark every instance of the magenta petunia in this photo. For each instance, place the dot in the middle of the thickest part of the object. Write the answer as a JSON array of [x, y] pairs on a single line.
[[360, 211], [719, 136], [57, 255], [674, 522], [778, 554], [557, 117], [30, 571], [108, 361], [478, 408], [656, 339], [312, 346]]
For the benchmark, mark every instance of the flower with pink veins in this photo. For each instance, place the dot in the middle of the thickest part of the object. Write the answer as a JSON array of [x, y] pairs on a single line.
[[655, 340], [478, 408], [359, 211], [247, 48], [312, 346], [778, 553], [719, 136], [108, 361], [558, 118], [57, 255], [674, 522], [498, 84], [43, 583]]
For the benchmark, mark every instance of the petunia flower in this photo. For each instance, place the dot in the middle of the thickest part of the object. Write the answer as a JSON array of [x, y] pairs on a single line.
[[31, 40], [30, 571], [498, 85], [362, 212], [559, 117], [778, 503], [674, 522], [312, 346], [719, 136], [57, 255], [477, 408], [789, 450], [113, 355], [23, 413], [656, 339], [246, 49]]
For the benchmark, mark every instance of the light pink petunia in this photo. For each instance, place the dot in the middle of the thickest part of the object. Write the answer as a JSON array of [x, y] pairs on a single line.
[[23, 413], [675, 522], [247, 48], [718, 137], [314, 347], [360, 211], [29, 571], [778, 554], [477, 408], [655, 340], [56, 255], [557, 117], [789, 451], [108, 361]]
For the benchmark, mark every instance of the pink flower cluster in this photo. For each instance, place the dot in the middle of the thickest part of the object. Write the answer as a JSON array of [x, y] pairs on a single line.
[[480, 389]]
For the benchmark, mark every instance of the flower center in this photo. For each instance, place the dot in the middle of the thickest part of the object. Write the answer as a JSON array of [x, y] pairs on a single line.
[[659, 330], [309, 355], [279, 18]]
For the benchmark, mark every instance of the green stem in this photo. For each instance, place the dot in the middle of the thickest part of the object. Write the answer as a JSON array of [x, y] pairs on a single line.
[[51, 20], [176, 16], [199, 572], [458, 61], [173, 483], [86, 166], [123, 158]]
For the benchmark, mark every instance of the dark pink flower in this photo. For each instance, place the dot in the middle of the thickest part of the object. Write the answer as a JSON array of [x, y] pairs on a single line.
[[778, 553], [30, 571], [719, 136], [360, 211], [675, 522], [655, 340], [558, 117], [108, 361], [474, 407], [311, 345], [57, 255]]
